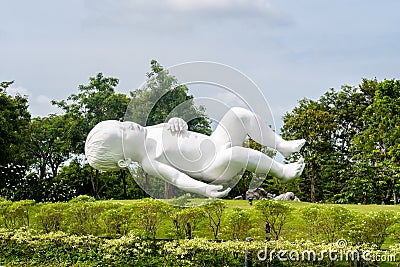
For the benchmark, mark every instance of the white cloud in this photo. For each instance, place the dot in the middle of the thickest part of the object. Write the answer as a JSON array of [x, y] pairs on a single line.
[[42, 100], [254, 7], [172, 13], [39, 105], [18, 90]]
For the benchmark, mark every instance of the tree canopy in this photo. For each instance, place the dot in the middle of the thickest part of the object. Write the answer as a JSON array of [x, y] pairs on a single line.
[[352, 149], [352, 152]]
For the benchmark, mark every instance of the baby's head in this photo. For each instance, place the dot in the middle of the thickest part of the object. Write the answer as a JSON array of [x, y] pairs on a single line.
[[111, 141]]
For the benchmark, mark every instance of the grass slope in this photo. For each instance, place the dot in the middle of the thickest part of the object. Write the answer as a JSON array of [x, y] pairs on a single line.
[[294, 229]]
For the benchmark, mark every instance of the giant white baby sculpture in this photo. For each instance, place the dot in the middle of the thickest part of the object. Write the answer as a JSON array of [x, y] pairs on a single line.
[[191, 161]]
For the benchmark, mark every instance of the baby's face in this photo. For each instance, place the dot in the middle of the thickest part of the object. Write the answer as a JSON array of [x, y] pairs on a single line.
[[134, 139]]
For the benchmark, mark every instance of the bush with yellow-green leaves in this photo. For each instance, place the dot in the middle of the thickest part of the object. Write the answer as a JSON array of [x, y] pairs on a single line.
[[27, 248]]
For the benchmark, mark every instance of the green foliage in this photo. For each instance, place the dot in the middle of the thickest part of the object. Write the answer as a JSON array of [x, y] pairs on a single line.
[[50, 216], [214, 210], [312, 122], [149, 213], [274, 213], [14, 120], [82, 199], [160, 99], [95, 102], [238, 224], [326, 222], [378, 145], [352, 149], [82, 215], [26, 248], [186, 220], [117, 220], [373, 227], [16, 214]]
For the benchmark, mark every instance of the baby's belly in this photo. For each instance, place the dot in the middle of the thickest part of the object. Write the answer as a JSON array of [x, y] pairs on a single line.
[[190, 152]]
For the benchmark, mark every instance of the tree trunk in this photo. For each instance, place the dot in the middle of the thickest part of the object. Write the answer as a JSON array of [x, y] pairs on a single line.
[[168, 190], [313, 179], [122, 174], [146, 183], [95, 184]]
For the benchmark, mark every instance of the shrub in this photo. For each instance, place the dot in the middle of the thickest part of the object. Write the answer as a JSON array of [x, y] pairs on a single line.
[[82, 217], [238, 224], [116, 221], [82, 198], [149, 213], [50, 216], [274, 213], [16, 214], [4, 207], [373, 227], [26, 248], [186, 220], [214, 210], [326, 222]]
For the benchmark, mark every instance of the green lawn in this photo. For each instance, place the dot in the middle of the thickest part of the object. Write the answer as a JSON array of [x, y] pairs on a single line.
[[294, 229]]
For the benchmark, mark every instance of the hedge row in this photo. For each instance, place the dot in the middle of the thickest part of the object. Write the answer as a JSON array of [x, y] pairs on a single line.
[[27, 248], [152, 218]]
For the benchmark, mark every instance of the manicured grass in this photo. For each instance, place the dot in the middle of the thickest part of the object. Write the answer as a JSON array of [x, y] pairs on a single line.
[[294, 229]]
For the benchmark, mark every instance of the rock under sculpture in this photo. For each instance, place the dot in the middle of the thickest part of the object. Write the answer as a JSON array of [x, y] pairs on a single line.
[[193, 162], [258, 193], [287, 196]]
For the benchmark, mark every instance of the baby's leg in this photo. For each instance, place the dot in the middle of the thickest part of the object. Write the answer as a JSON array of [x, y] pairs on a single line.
[[235, 159], [237, 123]]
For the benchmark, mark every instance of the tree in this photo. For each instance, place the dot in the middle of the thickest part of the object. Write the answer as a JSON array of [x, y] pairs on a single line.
[[239, 223], [352, 143], [14, 121], [162, 98], [317, 125], [186, 220], [94, 103], [274, 213], [50, 143], [150, 213], [326, 222], [214, 210], [347, 105], [377, 146]]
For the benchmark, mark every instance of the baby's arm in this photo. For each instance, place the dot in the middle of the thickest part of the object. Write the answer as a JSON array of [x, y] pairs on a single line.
[[183, 181]]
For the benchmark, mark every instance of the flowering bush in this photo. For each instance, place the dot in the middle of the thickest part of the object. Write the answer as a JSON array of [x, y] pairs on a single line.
[[27, 248]]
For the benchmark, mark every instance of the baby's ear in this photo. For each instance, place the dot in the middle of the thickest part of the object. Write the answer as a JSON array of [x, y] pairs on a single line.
[[124, 163]]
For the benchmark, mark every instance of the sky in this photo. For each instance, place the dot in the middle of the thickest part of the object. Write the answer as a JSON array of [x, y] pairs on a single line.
[[290, 49]]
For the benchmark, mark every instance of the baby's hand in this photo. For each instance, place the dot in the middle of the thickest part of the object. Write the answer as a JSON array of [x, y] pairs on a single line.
[[177, 125], [213, 191]]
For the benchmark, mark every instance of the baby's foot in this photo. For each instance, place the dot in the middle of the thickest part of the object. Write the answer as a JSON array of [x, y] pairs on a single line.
[[286, 148], [292, 170]]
